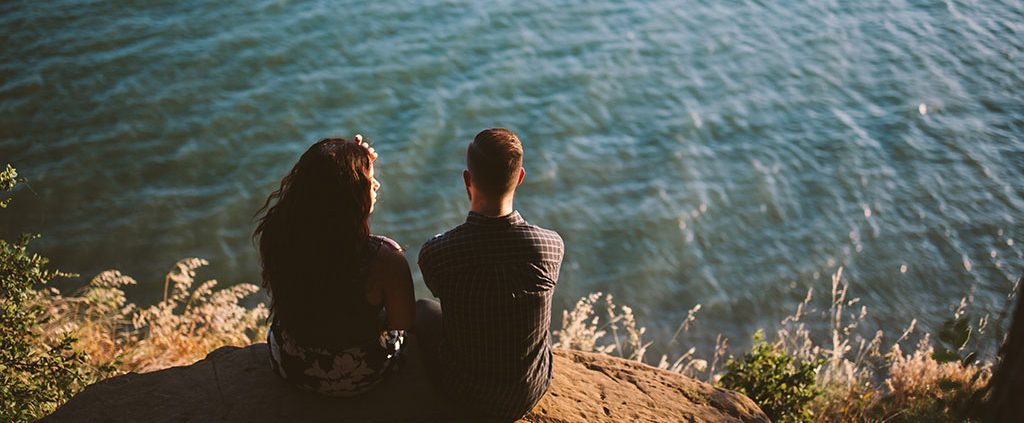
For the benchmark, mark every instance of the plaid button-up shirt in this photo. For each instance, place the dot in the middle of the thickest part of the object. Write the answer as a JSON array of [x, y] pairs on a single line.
[[494, 277]]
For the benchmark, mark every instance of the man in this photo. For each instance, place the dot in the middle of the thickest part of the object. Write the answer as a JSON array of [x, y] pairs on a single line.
[[494, 275]]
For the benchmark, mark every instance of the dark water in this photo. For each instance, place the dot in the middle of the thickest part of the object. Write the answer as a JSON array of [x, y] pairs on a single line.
[[731, 154]]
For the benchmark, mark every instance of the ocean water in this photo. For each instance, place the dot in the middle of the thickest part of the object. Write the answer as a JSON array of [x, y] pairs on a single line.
[[731, 154]]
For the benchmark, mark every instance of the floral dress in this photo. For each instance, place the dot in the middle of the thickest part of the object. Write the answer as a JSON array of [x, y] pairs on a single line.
[[337, 372]]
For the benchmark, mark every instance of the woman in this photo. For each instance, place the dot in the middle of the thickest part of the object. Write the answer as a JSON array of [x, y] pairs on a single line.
[[341, 298]]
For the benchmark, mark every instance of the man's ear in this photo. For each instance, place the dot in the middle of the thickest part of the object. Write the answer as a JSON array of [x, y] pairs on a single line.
[[522, 174], [467, 178]]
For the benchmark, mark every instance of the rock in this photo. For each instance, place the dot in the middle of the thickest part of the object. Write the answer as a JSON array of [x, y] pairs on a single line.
[[591, 387], [236, 385]]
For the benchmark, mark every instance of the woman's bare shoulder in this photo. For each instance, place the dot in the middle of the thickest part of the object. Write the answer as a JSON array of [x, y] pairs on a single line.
[[390, 261], [388, 243]]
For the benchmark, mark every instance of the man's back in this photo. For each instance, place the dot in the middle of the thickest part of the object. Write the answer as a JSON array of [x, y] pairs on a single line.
[[495, 277]]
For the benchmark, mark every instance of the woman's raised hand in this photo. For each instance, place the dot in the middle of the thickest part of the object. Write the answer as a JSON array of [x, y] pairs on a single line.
[[373, 153]]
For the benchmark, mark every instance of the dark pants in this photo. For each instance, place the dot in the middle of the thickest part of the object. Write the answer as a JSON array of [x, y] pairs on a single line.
[[428, 330]]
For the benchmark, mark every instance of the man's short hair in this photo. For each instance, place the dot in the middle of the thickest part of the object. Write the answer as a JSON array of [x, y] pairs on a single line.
[[494, 159]]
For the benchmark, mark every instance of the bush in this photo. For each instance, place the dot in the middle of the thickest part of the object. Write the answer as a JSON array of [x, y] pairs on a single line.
[[37, 372], [781, 384]]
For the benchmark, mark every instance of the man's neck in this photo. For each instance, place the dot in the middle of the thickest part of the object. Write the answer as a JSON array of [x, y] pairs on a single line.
[[500, 208]]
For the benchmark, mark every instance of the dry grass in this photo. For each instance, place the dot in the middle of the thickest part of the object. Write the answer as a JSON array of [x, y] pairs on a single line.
[[180, 329], [860, 380], [917, 381], [583, 329]]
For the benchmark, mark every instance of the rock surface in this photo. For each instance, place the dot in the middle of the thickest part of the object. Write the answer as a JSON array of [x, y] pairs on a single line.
[[592, 387], [236, 385]]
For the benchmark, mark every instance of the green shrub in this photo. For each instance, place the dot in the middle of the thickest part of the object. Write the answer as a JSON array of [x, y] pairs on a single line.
[[782, 385], [35, 376]]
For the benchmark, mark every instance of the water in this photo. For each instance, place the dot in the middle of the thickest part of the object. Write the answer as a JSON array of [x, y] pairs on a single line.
[[731, 154]]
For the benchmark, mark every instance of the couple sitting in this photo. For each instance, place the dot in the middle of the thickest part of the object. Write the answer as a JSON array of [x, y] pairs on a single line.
[[342, 298]]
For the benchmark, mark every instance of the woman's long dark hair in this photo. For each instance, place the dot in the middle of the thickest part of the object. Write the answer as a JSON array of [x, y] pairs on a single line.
[[312, 237]]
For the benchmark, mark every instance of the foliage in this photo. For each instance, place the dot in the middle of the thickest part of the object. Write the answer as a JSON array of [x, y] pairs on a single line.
[[37, 372], [781, 384], [858, 379], [8, 179]]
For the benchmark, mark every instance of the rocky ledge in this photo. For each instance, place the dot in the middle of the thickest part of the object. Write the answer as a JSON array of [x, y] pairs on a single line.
[[236, 385]]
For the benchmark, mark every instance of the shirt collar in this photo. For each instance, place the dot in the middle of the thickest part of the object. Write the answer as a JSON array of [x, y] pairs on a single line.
[[510, 219]]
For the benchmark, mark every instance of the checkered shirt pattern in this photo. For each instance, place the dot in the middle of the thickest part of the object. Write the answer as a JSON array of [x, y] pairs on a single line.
[[494, 277]]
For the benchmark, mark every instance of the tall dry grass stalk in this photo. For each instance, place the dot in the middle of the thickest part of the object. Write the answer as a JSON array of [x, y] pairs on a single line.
[[180, 329]]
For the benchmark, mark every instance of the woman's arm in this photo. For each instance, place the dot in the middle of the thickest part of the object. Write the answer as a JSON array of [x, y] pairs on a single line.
[[396, 287]]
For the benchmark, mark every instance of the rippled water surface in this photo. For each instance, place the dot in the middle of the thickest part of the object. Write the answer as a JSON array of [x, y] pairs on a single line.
[[728, 153]]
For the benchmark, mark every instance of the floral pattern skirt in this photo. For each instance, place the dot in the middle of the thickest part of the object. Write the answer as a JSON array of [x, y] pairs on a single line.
[[337, 373]]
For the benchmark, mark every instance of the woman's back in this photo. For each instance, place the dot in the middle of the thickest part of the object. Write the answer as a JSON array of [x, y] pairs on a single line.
[[350, 352], [349, 312]]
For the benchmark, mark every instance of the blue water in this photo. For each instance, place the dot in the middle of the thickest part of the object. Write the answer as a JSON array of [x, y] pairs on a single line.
[[731, 154]]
